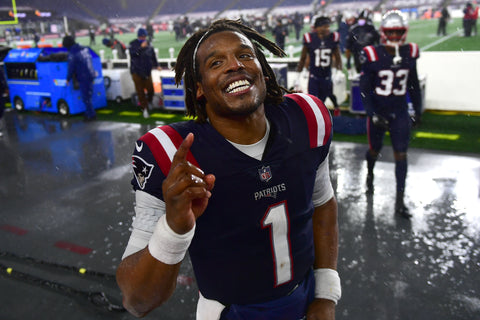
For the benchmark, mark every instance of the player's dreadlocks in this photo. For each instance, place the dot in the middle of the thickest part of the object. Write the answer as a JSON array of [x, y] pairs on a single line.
[[187, 67]]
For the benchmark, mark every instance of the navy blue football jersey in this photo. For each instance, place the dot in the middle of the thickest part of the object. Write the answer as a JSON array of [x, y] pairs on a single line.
[[320, 52], [385, 82], [254, 242]]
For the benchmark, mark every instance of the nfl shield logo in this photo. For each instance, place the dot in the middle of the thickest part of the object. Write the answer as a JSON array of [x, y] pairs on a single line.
[[265, 173]]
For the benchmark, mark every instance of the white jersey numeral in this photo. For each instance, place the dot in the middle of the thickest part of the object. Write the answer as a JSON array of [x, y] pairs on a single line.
[[323, 57], [387, 82], [277, 220]]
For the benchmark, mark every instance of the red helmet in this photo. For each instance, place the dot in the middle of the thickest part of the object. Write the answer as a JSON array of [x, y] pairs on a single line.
[[393, 29]]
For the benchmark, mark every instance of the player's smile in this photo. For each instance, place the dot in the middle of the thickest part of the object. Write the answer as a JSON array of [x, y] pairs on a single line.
[[238, 87]]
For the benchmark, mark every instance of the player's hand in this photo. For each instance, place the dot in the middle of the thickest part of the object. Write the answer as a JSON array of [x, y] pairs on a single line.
[[380, 121], [321, 309], [416, 120], [186, 190]]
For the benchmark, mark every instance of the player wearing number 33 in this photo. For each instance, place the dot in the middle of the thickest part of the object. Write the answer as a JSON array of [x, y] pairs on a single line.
[[388, 75], [244, 188]]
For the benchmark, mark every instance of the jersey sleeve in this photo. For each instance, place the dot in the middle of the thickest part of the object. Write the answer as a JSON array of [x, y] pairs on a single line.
[[323, 190], [152, 159], [319, 122], [370, 53], [307, 38], [148, 209], [336, 37], [151, 163], [147, 175], [366, 79]]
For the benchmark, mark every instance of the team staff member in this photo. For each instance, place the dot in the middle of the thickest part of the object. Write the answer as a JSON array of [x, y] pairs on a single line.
[[116, 44], [322, 48], [389, 73], [263, 242], [142, 61], [80, 65], [360, 35]]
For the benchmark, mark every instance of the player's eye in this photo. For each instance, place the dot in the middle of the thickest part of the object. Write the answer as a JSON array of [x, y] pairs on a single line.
[[246, 56]]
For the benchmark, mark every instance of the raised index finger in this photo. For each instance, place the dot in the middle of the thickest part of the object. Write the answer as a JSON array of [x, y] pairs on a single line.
[[183, 149]]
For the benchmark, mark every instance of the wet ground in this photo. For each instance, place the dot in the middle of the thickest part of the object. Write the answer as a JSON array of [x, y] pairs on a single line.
[[66, 208]]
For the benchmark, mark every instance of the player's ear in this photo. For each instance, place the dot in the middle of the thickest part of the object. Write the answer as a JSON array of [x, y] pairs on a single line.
[[200, 95]]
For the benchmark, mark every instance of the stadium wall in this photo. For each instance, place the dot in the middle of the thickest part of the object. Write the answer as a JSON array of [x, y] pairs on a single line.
[[452, 80]]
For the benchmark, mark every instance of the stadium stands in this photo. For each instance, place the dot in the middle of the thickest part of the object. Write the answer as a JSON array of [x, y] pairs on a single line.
[[117, 9]]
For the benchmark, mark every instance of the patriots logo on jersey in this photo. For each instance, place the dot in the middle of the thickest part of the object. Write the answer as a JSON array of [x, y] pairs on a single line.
[[265, 173], [142, 170]]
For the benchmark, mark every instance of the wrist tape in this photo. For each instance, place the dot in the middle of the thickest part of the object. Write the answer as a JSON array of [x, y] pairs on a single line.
[[327, 284], [168, 246]]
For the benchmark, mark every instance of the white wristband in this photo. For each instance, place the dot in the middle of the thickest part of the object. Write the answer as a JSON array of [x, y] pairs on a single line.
[[168, 246], [327, 284]]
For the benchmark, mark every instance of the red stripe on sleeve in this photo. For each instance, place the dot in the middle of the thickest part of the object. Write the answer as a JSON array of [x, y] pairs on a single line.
[[177, 141], [158, 152], [310, 116], [327, 120]]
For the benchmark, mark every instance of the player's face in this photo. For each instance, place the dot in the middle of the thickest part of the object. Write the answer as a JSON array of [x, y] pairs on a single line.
[[324, 30], [232, 81], [394, 35]]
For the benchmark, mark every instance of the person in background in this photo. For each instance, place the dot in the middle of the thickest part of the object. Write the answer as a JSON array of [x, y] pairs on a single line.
[[468, 19], [298, 24], [388, 75], [81, 68], [442, 22], [115, 44], [3, 91], [244, 187], [343, 28], [150, 31], [142, 61], [280, 32], [321, 47], [92, 34], [361, 34]]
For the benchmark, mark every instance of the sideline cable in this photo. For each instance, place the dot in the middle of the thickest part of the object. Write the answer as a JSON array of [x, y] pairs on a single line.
[[33, 261], [97, 298]]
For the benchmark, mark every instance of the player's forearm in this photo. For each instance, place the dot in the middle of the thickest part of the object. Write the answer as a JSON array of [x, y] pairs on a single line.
[[325, 233], [303, 59], [145, 282], [301, 63]]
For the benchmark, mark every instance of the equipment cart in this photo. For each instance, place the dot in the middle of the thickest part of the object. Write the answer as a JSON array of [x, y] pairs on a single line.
[[37, 81]]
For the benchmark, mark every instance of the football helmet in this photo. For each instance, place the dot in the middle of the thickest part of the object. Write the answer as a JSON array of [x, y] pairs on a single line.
[[393, 29]]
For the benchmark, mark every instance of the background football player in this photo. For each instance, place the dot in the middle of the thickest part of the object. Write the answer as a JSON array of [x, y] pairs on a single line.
[[388, 75], [321, 50]]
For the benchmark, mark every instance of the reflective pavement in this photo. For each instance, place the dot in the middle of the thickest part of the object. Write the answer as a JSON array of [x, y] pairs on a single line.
[[66, 207]]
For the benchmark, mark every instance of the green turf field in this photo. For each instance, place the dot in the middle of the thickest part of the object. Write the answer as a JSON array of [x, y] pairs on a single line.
[[422, 32]]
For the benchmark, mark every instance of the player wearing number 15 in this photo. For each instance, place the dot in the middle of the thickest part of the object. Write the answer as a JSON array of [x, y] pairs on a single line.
[[321, 49], [244, 187], [388, 75]]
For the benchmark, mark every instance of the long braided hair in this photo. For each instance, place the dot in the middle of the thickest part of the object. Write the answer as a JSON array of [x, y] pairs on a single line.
[[187, 67]]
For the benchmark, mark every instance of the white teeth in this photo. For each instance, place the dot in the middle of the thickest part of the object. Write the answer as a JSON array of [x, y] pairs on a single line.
[[238, 86]]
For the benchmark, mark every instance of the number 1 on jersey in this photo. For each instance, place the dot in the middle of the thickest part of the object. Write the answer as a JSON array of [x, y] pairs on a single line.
[[277, 220]]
